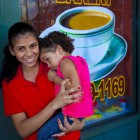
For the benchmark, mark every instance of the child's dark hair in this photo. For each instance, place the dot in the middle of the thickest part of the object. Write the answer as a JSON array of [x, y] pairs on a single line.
[[10, 62], [57, 38]]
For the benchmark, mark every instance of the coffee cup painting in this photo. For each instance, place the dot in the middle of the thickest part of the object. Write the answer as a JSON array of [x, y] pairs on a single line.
[[92, 28]]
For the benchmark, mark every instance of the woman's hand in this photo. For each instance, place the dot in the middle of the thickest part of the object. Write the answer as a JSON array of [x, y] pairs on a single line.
[[65, 97], [76, 125]]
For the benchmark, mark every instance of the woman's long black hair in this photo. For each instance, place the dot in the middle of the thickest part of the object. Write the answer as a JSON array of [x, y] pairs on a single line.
[[10, 62]]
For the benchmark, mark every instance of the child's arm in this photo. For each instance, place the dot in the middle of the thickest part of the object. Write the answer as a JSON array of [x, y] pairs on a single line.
[[52, 76], [69, 70]]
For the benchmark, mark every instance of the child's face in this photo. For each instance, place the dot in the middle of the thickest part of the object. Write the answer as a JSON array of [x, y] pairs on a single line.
[[50, 58]]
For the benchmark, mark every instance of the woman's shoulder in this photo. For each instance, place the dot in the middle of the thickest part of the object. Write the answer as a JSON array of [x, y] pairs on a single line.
[[18, 79], [15, 78]]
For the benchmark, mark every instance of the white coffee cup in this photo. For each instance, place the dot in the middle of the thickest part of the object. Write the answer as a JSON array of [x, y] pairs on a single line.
[[91, 43]]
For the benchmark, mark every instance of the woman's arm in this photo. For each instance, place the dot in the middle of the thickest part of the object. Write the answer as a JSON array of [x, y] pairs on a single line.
[[26, 126]]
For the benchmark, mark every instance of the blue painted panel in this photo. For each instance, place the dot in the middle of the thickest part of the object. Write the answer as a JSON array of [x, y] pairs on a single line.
[[126, 132]]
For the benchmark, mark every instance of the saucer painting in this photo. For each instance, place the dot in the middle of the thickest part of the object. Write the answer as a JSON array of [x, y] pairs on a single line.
[[114, 56]]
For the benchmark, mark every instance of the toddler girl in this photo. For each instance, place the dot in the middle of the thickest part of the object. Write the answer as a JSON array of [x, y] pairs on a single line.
[[56, 49]]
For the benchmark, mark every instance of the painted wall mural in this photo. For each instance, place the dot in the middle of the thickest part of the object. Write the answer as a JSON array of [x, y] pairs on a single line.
[[101, 30]]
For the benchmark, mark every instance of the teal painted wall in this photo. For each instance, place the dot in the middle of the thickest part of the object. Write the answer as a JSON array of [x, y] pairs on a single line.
[[7, 129], [9, 14], [125, 128], [120, 133]]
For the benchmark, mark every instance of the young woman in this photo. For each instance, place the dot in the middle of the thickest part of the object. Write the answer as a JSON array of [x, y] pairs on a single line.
[[28, 94]]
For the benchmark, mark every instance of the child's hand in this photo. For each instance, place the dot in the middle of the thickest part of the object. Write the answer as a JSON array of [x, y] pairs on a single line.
[[51, 75]]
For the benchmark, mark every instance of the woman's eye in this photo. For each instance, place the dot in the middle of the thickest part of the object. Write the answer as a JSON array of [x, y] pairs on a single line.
[[20, 49], [34, 45]]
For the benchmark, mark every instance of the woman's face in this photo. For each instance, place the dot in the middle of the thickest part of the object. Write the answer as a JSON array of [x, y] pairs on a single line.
[[26, 50]]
